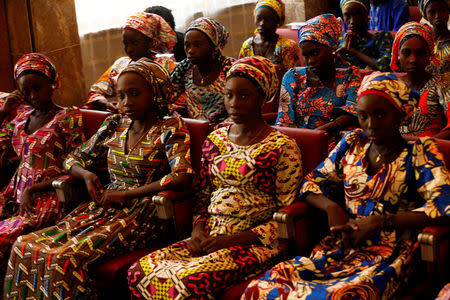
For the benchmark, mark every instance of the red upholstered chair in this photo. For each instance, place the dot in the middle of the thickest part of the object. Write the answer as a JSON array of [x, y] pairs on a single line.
[[414, 14], [313, 145]]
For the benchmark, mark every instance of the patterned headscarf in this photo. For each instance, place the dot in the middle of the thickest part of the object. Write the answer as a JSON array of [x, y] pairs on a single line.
[[153, 26], [424, 3], [158, 79], [364, 3], [407, 31], [276, 5], [258, 70], [37, 62], [213, 30], [324, 29], [388, 86]]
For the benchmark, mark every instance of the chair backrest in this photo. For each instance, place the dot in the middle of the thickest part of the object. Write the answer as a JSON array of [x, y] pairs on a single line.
[[92, 120], [198, 131], [313, 145], [414, 14]]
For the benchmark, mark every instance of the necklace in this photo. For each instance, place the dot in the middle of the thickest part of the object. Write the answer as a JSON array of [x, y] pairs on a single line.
[[384, 158], [138, 141], [258, 135]]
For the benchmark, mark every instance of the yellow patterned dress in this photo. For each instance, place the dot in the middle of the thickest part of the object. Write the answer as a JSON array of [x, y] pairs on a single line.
[[52, 263], [416, 179], [240, 189]]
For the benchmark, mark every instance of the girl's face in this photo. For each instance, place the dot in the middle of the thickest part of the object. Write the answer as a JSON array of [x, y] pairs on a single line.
[[37, 90], [356, 17], [318, 58], [414, 55], [198, 47], [135, 44], [437, 14], [379, 119], [266, 21], [243, 101], [135, 96]]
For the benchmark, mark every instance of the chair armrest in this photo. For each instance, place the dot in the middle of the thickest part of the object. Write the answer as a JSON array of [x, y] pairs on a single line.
[[164, 201], [429, 240], [63, 187], [285, 219]]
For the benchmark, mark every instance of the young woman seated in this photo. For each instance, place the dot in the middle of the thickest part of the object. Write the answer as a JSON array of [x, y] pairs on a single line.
[[283, 52], [144, 35], [358, 47], [411, 53], [199, 80], [436, 12], [145, 154], [391, 186], [41, 135], [319, 96], [249, 170]]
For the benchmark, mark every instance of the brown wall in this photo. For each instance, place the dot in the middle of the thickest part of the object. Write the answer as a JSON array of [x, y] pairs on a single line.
[[49, 27], [6, 67]]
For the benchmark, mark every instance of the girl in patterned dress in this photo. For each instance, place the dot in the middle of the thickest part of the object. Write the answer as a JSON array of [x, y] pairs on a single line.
[[198, 81], [145, 154], [249, 170], [144, 35], [358, 47], [411, 53], [41, 135], [391, 187], [436, 12], [283, 52]]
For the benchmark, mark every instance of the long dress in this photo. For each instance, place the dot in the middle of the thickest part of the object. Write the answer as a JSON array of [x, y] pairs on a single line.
[[106, 85], [432, 114], [378, 46], [54, 262], [285, 54], [41, 155], [240, 189], [199, 102], [375, 268]]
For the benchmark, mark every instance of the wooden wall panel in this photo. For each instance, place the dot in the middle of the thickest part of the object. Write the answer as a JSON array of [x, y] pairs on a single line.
[[6, 66]]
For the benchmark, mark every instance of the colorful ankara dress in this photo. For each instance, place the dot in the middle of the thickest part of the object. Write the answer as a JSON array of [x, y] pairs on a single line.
[[433, 114], [377, 46], [375, 269], [240, 189], [310, 107], [105, 86], [200, 102], [41, 155], [285, 55], [53, 262], [163, 39]]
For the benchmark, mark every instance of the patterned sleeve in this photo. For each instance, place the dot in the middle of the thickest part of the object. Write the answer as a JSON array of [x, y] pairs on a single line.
[[331, 169], [94, 149], [291, 58], [383, 43], [432, 178], [444, 97], [352, 83], [288, 98], [176, 141], [246, 50], [6, 132], [177, 78], [166, 62], [104, 87], [71, 127], [203, 184], [289, 177]]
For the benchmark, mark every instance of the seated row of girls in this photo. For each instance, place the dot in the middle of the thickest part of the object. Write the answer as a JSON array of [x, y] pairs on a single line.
[[145, 154], [391, 187]]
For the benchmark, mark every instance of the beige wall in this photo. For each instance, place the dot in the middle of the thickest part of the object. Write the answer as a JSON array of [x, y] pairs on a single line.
[[51, 29]]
